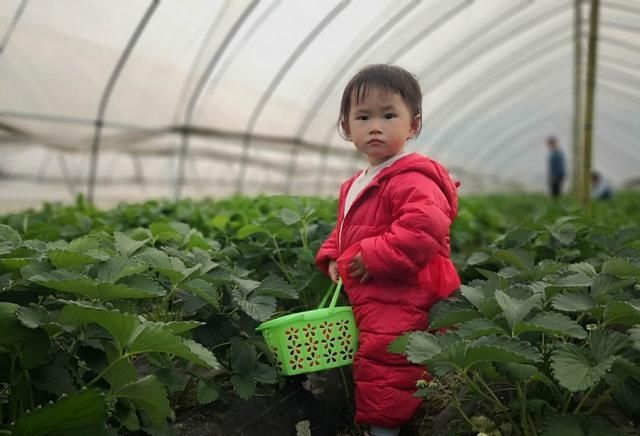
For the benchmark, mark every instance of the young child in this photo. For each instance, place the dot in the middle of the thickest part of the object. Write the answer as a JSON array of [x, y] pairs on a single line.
[[390, 245]]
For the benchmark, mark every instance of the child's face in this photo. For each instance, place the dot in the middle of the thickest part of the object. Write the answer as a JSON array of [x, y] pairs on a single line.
[[380, 124]]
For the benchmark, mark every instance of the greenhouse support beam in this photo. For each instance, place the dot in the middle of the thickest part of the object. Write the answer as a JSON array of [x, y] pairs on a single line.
[[395, 19], [577, 97], [592, 58], [376, 36], [182, 100], [519, 164], [12, 26], [106, 95], [495, 41], [275, 82], [199, 89], [482, 41], [239, 45]]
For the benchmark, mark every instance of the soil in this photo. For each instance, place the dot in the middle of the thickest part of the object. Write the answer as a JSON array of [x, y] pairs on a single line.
[[320, 399], [318, 404]]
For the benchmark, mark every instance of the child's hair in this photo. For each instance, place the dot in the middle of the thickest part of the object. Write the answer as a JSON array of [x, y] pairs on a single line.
[[385, 77]]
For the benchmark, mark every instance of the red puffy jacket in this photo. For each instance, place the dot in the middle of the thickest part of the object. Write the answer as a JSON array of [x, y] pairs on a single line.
[[400, 224]]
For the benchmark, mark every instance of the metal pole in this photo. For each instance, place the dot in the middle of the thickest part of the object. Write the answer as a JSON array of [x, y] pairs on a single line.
[[577, 99], [104, 101], [592, 57]]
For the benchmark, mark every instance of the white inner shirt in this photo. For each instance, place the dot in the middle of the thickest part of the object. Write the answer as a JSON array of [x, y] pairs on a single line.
[[365, 178]]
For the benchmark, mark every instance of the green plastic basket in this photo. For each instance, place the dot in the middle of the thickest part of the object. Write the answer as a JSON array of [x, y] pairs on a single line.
[[314, 340]]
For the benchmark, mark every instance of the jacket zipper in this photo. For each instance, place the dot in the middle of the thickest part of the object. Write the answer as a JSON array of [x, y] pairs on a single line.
[[355, 200]]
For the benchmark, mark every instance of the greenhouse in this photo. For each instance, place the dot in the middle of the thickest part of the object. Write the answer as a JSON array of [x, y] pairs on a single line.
[[180, 253]]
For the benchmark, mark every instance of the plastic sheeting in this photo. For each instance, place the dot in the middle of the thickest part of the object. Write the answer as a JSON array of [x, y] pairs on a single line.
[[248, 92]]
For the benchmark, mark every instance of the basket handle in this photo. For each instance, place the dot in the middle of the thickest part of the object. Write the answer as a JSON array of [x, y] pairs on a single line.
[[336, 291]]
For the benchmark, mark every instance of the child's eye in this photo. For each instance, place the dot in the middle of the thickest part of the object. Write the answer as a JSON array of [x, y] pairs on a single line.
[[362, 117], [389, 115]]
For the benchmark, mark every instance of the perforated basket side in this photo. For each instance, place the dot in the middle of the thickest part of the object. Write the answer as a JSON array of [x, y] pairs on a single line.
[[308, 345]]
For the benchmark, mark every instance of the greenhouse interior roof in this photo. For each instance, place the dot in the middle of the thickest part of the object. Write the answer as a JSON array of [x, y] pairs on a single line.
[[126, 100]]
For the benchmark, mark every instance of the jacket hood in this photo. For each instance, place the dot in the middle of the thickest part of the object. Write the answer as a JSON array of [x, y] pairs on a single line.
[[432, 169]]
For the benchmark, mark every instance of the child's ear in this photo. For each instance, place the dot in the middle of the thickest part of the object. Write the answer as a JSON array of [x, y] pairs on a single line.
[[346, 129], [415, 125]]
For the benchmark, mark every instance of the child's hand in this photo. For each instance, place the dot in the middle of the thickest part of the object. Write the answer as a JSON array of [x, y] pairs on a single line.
[[333, 271], [357, 268]]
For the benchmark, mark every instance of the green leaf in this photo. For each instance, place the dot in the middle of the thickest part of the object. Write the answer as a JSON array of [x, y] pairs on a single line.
[[600, 427], [583, 268], [54, 377], [448, 314], [34, 316], [249, 230], [480, 327], [243, 357], [205, 290], [119, 267], [574, 370], [127, 246], [149, 395], [500, 349], [399, 344], [478, 258], [84, 412], [144, 284], [634, 335], [244, 386], [258, 307], [32, 344], [608, 343], [67, 281], [154, 257], [74, 283], [565, 232], [578, 280], [85, 243], [476, 296], [621, 313], [181, 327], [605, 284], [266, 374], [518, 238], [517, 371], [552, 323], [562, 426], [119, 325], [276, 287], [422, 346], [521, 259], [66, 258], [573, 302], [207, 393], [156, 337], [289, 217], [121, 371], [110, 291], [621, 268], [162, 231], [219, 222], [514, 309], [9, 236]]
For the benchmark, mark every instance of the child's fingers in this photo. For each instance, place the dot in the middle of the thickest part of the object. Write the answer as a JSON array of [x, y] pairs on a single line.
[[365, 277]]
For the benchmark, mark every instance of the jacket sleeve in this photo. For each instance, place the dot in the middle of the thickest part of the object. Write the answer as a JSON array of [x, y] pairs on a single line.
[[420, 228], [328, 251]]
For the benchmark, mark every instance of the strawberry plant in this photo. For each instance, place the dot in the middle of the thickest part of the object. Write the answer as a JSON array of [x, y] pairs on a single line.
[[544, 338]]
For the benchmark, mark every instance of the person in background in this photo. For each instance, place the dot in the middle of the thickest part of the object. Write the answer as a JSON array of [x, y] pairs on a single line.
[[600, 189], [391, 244], [556, 167]]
